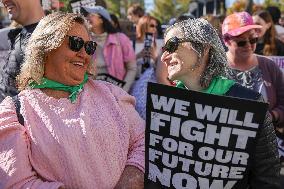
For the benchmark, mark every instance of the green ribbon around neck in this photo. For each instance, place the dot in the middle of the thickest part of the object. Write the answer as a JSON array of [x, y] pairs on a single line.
[[218, 86], [49, 84]]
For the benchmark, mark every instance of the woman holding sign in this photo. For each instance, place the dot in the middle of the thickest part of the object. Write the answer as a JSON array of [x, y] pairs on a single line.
[[195, 58]]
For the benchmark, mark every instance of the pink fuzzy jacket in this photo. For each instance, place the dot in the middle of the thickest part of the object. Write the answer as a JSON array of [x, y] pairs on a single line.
[[82, 145]]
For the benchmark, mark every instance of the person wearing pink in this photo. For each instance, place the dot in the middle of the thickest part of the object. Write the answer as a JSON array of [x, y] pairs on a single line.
[[115, 55], [76, 132]]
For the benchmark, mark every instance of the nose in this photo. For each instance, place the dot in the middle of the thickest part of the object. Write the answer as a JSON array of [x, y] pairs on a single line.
[[82, 53]]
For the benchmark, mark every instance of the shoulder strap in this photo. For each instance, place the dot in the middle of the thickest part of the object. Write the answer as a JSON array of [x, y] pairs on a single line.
[[17, 103]]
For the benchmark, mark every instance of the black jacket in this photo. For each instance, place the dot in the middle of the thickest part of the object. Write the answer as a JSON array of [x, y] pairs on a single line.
[[19, 39], [265, 170]]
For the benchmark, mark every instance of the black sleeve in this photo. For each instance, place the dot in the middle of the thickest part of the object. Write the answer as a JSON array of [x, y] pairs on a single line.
[[265, 169], [265, 172]]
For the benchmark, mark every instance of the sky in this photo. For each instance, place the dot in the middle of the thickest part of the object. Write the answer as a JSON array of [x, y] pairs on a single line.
[[149, 4]]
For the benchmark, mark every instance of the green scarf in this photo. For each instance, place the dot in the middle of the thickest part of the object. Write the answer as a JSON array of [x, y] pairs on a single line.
[[218, 86], [49, 84]]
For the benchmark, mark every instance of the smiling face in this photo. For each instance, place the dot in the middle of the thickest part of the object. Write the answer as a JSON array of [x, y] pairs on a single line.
[[95, 21], [18, 9], [66, 66], [152, 27], [265, 26], [183, 64]]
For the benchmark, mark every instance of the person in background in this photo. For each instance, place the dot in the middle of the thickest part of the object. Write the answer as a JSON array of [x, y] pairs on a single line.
[[26, 13], [276, 14], [147, 24], [4, 38], [74, 132], [115, 22], [195, 57], [115, 54], [134, 13], [268, 44], [252, 71]]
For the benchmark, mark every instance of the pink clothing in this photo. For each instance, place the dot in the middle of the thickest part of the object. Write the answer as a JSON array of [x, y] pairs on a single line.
[[82, 145], [118, 50]]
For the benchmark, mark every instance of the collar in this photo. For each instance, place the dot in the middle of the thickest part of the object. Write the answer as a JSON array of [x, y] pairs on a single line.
[[50, 84], [218, 86]]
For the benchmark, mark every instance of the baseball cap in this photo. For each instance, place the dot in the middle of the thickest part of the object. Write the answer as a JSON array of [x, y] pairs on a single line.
[[238, 23], [97, 10]]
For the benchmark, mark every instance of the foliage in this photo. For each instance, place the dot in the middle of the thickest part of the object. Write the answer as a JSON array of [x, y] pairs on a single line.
[[240, 5], [237, 6], [164, 10]]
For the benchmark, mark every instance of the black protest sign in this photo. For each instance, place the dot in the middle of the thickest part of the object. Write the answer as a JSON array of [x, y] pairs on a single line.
[[111, 79], [196, 140]]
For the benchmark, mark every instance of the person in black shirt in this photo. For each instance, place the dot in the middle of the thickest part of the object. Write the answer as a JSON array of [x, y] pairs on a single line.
[[27, 13]]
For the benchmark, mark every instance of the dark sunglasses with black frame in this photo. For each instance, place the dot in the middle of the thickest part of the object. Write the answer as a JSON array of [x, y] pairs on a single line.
[[173, 43], [77, 43], [243, 43]]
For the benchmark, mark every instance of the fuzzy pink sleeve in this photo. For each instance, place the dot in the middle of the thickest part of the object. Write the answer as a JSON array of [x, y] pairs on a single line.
[[15, 168], [136, 150]]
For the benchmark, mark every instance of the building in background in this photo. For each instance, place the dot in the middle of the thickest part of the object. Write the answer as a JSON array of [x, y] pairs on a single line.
[[203, 7]]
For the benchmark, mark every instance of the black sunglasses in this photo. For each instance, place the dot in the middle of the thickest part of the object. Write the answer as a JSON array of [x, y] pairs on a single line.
[[172, 44], [243, 43], [76, 43]]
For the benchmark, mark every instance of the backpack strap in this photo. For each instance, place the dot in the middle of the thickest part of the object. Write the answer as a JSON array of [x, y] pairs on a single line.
[[17, 103]]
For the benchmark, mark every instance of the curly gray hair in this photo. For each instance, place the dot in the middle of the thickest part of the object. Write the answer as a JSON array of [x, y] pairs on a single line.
[[48, 35], [200, 33]]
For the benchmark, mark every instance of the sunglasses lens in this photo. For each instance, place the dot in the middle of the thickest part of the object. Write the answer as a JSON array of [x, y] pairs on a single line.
[[241, 43], [90, 47], [171, 45], [253, 40], [75, 43]]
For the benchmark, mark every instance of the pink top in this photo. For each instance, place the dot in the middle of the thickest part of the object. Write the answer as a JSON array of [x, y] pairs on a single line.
[[118, 50], [81, 145]]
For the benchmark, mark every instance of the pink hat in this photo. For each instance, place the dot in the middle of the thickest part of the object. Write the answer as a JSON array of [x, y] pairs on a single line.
[[238, 23]]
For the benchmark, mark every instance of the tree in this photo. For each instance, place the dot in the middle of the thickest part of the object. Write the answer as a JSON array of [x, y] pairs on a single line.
[[164, 10], [237, 6]]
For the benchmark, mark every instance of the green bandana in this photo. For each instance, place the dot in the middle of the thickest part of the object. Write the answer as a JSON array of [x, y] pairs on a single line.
[[49, 84], [218, 86]]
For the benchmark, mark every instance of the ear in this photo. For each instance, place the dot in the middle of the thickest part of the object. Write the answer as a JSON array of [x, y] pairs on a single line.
[[206, 50]]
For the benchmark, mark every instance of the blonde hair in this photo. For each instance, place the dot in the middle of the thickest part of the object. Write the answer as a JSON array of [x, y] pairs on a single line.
[[48, 35]]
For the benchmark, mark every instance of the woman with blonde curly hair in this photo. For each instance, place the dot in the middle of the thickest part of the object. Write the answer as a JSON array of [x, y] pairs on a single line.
[[55, 133]]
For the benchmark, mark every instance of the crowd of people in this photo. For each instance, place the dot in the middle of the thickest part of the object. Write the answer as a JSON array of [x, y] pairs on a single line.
[[62, 128]]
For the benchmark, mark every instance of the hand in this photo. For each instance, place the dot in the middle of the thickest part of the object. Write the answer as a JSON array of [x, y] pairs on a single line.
[[151, 52], [131, 178]]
